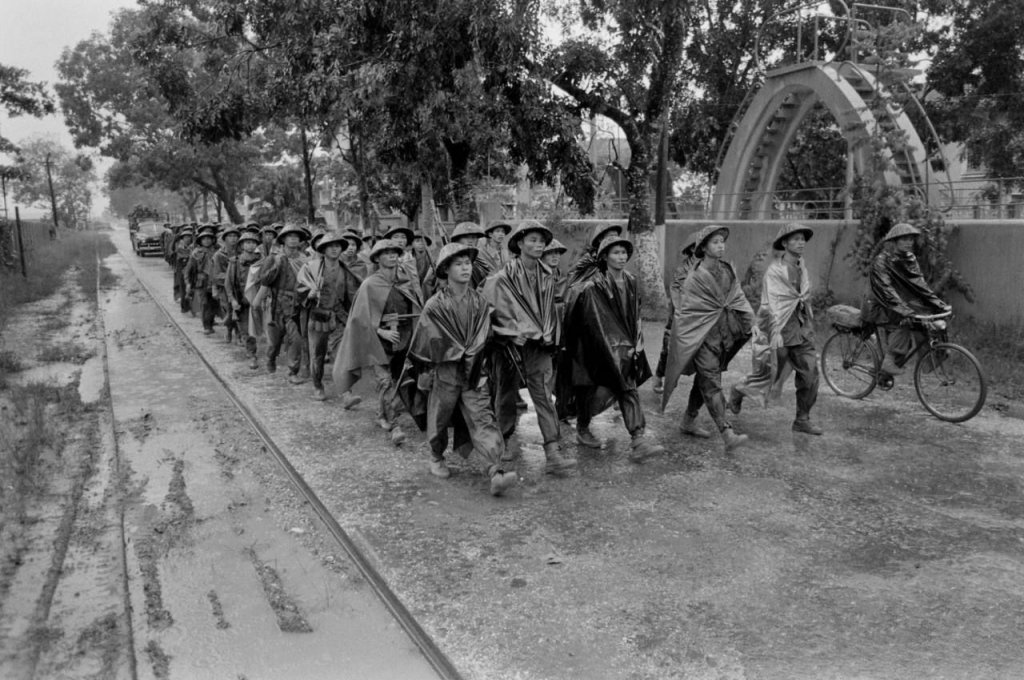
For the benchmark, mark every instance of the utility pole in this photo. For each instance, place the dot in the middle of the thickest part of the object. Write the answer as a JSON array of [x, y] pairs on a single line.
[[53, 197]]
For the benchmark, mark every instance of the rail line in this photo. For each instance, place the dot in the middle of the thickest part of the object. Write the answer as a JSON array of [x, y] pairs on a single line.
[[438, 660]]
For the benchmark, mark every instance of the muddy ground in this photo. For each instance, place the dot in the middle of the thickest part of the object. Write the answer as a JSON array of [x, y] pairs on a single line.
[[892, 547]]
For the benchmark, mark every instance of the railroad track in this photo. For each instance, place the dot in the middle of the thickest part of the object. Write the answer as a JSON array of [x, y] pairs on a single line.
[[438, 660]]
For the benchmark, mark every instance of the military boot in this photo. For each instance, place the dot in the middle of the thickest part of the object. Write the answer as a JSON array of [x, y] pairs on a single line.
[[558, 464], [691, 427], [584, 437], [732, 440], [642, 448]]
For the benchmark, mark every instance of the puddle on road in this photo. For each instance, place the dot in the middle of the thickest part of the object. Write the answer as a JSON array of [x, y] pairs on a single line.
[[58, 374], [92, 380]]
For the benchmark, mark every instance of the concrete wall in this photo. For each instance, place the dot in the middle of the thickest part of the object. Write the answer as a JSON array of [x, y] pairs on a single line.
[[989, 253]]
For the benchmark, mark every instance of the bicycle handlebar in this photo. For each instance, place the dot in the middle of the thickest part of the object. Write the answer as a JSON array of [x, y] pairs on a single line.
[[932, 317]]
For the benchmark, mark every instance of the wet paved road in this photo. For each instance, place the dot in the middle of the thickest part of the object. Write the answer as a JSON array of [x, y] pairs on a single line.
[[227, 578], [892, 547]]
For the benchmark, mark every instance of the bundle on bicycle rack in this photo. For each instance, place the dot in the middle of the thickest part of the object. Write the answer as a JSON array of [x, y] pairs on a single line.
[[844, 316]]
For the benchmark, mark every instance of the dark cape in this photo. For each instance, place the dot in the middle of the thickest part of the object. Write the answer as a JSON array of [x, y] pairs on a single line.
[[899, 289], [603, 343], [521, 309], [448, 330]]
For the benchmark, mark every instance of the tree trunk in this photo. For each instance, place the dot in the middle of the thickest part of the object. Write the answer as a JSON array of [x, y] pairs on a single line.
[[307, 174], [649, 264]]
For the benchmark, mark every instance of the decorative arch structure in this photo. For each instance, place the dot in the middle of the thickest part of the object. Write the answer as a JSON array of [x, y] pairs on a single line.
[[757, 148]]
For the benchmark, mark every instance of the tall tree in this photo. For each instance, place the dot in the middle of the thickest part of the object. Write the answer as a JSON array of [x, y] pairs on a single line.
[[21, 97], [622, 59], [72, 177], [978, 70], [119, 92]]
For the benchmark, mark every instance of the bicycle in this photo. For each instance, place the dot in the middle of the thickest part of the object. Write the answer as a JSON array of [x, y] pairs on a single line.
[[947, 378]]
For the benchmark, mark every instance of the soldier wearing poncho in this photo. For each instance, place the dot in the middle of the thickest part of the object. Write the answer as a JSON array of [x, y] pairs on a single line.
[[221, 259], [712, 322], [604, 349], [329, 288], [527, 332], [402, 237], [378, 331], [898, 292], [279, 283], [199, 276], [182, 252], [493, 255], [588, 265], [675, 290], [785, 330], [448, 349], [236, 279]]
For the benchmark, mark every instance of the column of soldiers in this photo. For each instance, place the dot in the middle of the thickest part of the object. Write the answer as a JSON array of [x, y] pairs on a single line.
[[453, 339]]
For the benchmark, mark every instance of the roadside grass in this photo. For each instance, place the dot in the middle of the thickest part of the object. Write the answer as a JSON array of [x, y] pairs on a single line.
[[31, 415], [63, 352], [1000, 349], [74, 249]]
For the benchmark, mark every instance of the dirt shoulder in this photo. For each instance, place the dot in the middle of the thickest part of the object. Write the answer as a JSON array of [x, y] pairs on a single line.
[[151, 536]]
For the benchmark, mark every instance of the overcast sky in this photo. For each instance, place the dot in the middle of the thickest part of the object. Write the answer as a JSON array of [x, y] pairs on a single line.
[[32, 35]]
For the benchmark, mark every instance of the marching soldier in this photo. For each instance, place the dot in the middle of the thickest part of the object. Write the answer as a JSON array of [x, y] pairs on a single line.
[[199, 278], [329, 287], [786, 326], [279, 275], [527, 332], [604, 349], [182, 252], [378, 331], [712, 323], [221, 259], [448, 343], [236, 280]]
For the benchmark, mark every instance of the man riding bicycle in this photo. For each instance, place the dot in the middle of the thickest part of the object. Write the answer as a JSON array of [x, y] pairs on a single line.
[[898, 293]]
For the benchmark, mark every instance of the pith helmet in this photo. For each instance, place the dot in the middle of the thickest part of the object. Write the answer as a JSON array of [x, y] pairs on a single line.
[[354, 240], [249, 235], [612, 241], [382, 246], [555, 247], [467, 229], [900, 230], [500, 224], [522, 229], [328, 238], [399, 230], [207, 230], [230, 230], [705, 234], [187, 231], [691, 243], [603, 231], [448, 253], [426, 239], [787, 230], [315, 239], [269, 229], [292, 229]]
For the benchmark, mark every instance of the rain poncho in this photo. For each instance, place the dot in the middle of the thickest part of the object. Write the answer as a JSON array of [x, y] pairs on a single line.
[[522, 309], [449, 330], [604, 344], [361, 347], [898, 289], [779, 302], [701, 307]]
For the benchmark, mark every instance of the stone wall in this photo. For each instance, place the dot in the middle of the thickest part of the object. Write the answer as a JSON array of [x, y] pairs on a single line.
[[989, 253]]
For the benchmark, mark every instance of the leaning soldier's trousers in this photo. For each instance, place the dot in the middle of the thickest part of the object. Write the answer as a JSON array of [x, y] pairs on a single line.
[[707, 384], [387, 400], [283, 333], [319, 344], [537, 371], [450, 394], [629, 405]]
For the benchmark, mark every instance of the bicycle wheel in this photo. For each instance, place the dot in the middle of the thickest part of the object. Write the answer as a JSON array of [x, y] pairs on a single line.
[[849, 365], [949, 383]]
